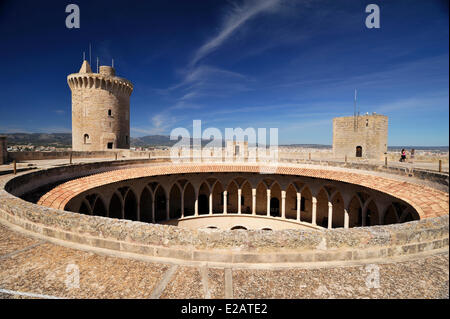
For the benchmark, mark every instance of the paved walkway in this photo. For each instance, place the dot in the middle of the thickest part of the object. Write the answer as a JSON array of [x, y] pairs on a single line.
[[431, 166], [32, 268]]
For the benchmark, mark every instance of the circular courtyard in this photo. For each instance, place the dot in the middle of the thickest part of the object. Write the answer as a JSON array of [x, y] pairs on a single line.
[[217, 221]]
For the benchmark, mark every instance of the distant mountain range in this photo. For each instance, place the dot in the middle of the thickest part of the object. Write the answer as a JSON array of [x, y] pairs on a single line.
[[40, 139], [152, 140], [65, 140]]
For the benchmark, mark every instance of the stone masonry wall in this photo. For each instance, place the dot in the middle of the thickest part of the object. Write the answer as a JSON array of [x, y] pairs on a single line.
[[213, 245], [29, 156], [256, 246], [371, 134]]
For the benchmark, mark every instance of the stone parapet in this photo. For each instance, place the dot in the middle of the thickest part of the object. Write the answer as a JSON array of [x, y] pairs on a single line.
[[253, 246], [212, 245]]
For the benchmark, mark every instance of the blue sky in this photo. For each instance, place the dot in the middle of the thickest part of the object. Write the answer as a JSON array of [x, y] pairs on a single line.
[[293, 65]]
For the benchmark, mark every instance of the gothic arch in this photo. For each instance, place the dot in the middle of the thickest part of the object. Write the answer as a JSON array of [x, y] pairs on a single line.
[[160, 204], [390, 215], [306, 204], [241, 180], [246, 197], [275, 199], [232, 198], [261, 198], [85, 208], [371, 213], [175, 202], [338, 210], [355, 211], [130, 205], [408, 215], [322, 207], [115, 206], [203, 198], [99, 208], [217, 191], [189, 200], [291, 201], [146, 203]]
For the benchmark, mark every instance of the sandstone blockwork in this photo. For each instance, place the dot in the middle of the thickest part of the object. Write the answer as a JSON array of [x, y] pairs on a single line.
[[100, 109], [364, 136]]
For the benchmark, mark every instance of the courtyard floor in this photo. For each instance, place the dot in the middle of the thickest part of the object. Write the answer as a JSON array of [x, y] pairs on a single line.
[[33, 268]]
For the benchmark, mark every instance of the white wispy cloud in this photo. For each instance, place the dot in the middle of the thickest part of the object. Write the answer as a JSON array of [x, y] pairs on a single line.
[[236, 18], [416, 103], [160, 124], [199, 80], [203, 76]]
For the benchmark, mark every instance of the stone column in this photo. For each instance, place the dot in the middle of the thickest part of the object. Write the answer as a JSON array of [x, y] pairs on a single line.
[[314, 210], [268, 202], [153, 210], [210, 203], [196, 206], [239, 200], [253, 201], [330, 215], [138, 209], [168, 208], [363, 217], [299, 204], [283, 204], [346, 218], [182, 204], [225, 202]]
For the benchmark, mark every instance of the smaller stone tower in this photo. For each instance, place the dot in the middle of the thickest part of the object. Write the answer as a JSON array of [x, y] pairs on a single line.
[[3, 150], [237, 149], [100, 109], [363, 136]]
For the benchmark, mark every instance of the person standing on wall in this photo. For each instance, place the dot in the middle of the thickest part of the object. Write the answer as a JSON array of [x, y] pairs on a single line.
[[403, 156]]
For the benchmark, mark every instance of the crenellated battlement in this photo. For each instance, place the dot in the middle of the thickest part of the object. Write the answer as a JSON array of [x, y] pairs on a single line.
[[102, 81]]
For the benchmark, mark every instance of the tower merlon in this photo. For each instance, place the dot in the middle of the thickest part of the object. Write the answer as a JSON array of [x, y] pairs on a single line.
[[85, 67]]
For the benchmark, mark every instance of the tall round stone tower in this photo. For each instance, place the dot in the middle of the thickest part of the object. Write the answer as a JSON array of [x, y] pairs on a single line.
[[100, 109]]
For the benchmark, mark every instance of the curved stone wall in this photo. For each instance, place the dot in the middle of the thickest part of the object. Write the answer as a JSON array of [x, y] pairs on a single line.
[[257, 246], [426, 201], [159, 198], [237, 222], [253, 246]]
